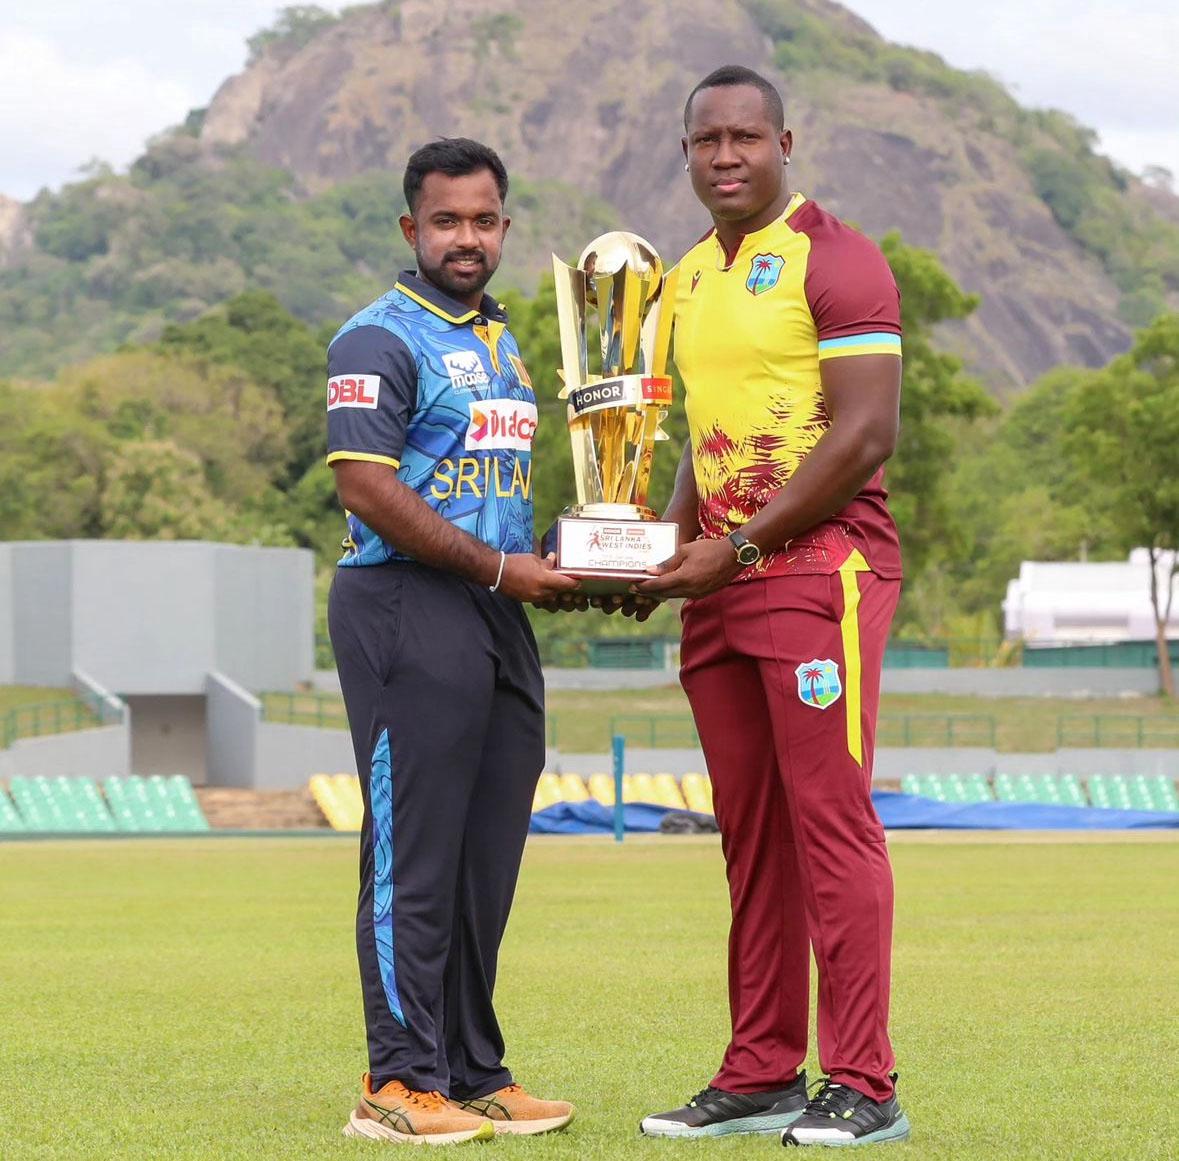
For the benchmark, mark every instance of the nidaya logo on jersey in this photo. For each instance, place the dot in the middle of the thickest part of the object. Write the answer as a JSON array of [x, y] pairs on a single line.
[[497, 424], [466, 370]]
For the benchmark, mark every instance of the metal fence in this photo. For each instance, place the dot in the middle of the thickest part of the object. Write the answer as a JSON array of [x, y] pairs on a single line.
[[678, 731], [1126, 731], [642, 652], [41, 719], [325, 710]]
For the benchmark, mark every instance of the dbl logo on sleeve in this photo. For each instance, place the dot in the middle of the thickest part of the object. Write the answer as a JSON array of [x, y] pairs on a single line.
[[353, 391]]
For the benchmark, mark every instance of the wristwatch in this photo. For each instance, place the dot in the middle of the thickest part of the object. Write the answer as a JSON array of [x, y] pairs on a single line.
[[747, 552]]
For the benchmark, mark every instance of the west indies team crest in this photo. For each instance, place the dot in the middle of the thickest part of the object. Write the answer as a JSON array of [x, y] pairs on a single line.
[[764, 272], [818, 683]]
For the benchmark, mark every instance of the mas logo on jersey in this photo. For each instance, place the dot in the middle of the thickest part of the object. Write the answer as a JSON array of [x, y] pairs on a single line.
[[353, 391], [501, 423], [818, 683], [764, 272], [465, 369]]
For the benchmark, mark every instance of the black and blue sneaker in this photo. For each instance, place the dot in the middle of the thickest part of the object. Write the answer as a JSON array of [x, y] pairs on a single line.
[[837, 1115], [715, 1113]]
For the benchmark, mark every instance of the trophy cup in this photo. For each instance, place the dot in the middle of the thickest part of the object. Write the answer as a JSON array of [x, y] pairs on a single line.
[[610, 537]]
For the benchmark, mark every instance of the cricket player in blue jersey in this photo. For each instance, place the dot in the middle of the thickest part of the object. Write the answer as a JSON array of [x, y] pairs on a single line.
[[430, 423]]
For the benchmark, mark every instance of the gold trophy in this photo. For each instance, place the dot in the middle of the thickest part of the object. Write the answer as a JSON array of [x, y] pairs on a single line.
[[610, 537]]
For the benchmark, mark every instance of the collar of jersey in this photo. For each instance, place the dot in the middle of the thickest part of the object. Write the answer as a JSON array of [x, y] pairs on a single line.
[[427, 295], [796, 200]]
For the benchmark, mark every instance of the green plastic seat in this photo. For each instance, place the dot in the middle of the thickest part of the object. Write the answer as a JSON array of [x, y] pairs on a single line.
[[123, 806], [935, 787], [1072, 793], [10, 819], [39, 805], [185, 800], [1018, 788], [1110, 792], [911, 784], [977, 789], [956, 788], [1164, 794]]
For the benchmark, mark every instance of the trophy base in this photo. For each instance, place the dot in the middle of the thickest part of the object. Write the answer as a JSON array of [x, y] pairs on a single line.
[[608, 547]]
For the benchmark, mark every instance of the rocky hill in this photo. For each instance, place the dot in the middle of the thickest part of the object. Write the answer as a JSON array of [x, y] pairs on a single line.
[[584, 103]]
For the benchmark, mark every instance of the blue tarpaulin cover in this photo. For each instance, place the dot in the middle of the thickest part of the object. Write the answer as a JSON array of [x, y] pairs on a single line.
[[897, 812]]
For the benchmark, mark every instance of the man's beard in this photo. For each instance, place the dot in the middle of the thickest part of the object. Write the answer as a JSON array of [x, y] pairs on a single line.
[[447, 279]]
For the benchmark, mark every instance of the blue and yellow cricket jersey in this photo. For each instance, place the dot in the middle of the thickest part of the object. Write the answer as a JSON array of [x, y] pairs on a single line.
[[437, 391]]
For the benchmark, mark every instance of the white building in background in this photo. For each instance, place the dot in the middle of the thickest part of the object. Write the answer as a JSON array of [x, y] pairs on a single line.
[[1100, 602]]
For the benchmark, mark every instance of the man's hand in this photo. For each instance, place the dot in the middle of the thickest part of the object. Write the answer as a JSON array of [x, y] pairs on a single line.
[[574, 602], [527, 577], [698, 568], [628, 604]]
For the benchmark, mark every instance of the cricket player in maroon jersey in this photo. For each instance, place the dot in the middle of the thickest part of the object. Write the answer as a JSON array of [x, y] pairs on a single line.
[[787, 335]]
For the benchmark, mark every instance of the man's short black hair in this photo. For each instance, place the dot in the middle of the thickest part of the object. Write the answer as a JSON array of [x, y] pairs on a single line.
[[728, 76], [455, 157]]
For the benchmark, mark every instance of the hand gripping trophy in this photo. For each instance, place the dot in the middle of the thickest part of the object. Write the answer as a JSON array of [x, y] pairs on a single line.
[[610, 537]]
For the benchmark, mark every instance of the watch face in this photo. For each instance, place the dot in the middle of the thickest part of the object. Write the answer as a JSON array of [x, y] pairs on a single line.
[[749, 554]]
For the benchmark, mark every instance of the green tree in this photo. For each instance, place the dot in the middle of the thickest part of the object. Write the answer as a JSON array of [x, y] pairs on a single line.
[[936, 400], [1122, 428]]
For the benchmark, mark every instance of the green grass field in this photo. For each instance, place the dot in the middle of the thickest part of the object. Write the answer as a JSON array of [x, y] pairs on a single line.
[[198, 999]]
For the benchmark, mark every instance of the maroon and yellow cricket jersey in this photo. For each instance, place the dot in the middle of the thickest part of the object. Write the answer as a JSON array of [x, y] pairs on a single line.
[[751, 331]]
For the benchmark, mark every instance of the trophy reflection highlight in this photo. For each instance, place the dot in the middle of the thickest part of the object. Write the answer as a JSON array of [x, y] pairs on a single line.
[[610, 537]]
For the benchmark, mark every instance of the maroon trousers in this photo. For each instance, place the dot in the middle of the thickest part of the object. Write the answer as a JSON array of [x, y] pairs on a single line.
[[783, 675]]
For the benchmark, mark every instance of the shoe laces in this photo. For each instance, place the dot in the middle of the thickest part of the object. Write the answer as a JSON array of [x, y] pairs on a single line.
[[705, 1094], [429, 1102], [832, 1100]]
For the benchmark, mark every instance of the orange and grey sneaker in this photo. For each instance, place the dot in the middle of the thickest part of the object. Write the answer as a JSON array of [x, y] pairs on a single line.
[[512, 1110], [397, 1113]]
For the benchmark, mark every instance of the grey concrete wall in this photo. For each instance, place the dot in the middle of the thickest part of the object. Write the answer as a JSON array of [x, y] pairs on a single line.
[[289, 755], [265, 616], [41, 613], [154, 617], [1019, 682], [233, 718], [168, 735], [97, 753], [7, 652], [243, 750], [143, 615]]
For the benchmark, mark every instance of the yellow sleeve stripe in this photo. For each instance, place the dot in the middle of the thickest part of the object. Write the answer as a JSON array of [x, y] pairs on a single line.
[[878, 343], [367, 457]]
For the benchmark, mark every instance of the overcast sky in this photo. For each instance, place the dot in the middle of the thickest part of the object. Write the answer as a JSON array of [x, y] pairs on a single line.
[[81, 79]]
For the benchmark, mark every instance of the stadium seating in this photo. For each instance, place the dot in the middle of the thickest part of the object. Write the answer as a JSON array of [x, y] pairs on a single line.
[[601, 787], [67, 805], [338, 797], [964, 788], [154, 805], [667, 792], [548, 792], [1133, 792], [697, 792], [10, 819], [573, 788]]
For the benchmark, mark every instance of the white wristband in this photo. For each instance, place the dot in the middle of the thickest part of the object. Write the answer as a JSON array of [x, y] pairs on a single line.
[[503, 557]]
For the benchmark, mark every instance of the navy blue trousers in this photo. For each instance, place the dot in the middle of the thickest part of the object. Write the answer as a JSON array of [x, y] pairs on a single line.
[[445, 700]]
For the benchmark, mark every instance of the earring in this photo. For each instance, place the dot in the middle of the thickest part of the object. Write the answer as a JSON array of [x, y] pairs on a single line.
[[786, 160], [685, 167]]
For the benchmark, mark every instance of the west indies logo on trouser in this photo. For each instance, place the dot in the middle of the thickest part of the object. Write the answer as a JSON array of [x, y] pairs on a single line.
[[818, 683]]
